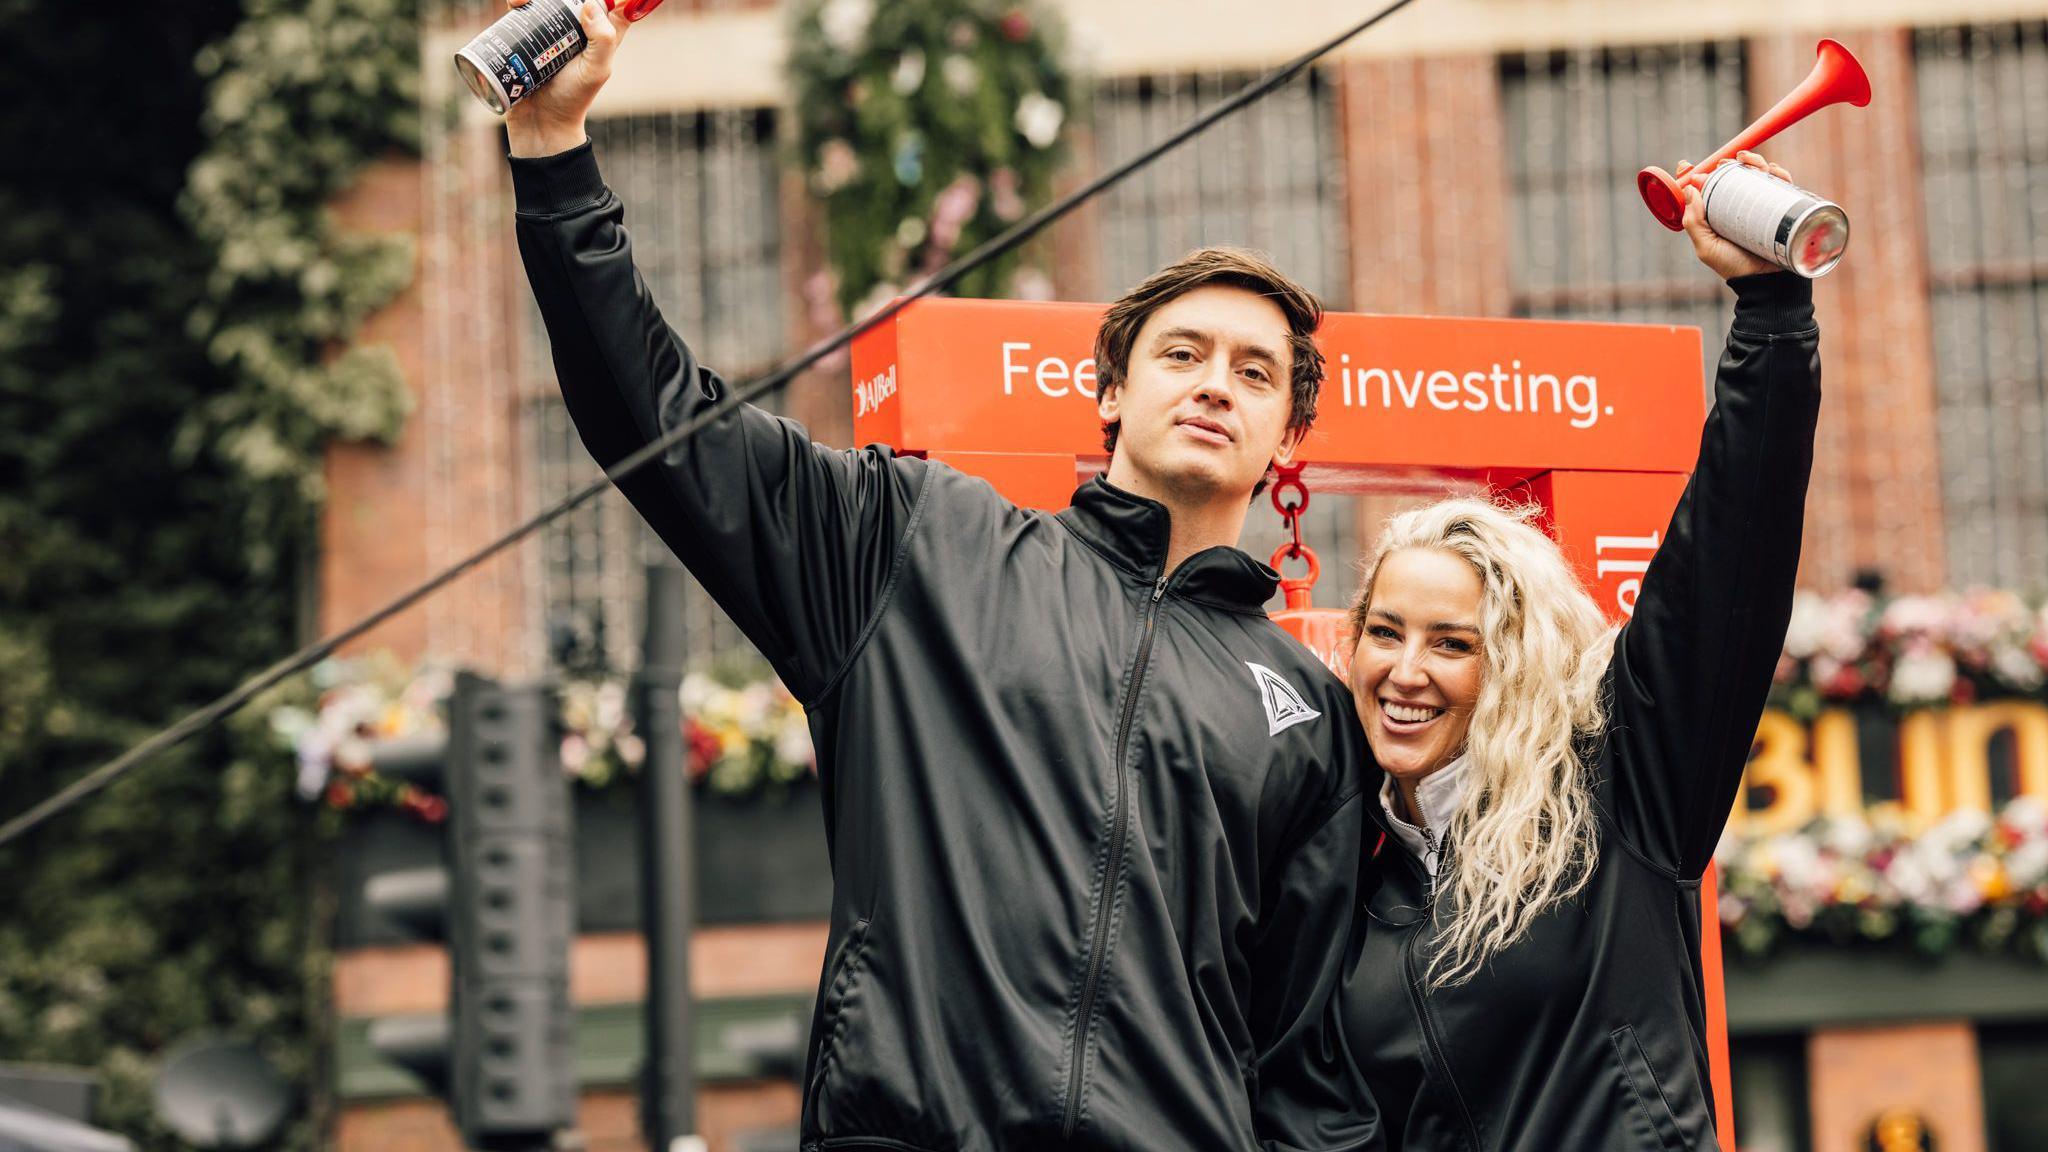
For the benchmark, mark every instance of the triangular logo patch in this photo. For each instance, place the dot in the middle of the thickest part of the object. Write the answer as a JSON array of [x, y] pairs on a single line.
[[1284, 706]]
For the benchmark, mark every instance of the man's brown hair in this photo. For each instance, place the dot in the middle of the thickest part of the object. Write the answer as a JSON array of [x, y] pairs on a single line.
[[1231, 267]]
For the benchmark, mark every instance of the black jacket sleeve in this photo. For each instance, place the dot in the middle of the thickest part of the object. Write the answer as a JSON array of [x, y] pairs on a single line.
[[1692, 667], [795, 541], [1307, 1099]]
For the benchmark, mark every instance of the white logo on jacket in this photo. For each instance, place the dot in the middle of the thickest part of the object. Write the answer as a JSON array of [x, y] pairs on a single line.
[[1284, 706]]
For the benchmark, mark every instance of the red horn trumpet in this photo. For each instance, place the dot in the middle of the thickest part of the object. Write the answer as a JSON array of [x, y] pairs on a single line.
[[1836, 79]]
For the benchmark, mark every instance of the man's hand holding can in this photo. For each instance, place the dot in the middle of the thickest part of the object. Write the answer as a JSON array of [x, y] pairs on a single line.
[[548, 116]]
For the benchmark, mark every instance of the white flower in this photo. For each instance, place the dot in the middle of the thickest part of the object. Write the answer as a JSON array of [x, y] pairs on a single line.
[[1908, 876], [1031, 284], [909, 72], [696, 691], [1800, 863], [1846, 835], [960, 74], [1923, 677], [1845, 638], [2029, 814], [838, 164], [754, 702], [1808, 627], [1039, 118], [288, 723], [610, 711], [2017, 667], [1961, 896], [793, 743], [845, 22], [877, 298], [1957, 832], [632, 750], [316, 763], [1916, 616], [2027, 865]]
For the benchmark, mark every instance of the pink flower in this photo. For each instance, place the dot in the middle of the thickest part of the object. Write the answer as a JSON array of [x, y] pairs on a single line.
[[575, 753], [1008, 205]]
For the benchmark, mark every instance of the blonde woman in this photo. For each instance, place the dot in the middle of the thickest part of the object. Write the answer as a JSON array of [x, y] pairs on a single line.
[[1526, 976]]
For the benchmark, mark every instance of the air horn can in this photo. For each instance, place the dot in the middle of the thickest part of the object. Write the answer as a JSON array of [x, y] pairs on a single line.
[[1767, 216], [528, 47], [1774, 219]]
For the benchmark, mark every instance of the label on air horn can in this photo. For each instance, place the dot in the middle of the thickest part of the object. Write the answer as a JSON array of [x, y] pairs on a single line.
[[521, 52], [1780, 222]]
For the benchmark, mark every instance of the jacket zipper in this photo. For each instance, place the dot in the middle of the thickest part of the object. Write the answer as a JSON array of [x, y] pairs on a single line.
[[1422, 1015], [1119, 829]]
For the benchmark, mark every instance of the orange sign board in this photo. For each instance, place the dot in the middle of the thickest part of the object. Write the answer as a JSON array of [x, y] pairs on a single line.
[[1404, 394], [1608, 525]]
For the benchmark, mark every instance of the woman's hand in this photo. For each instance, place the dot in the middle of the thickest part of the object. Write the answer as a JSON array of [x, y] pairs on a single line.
[[1724, 256], [550, 118]]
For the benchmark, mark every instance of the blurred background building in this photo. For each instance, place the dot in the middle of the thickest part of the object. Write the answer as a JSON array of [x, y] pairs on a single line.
[[1471, 157]]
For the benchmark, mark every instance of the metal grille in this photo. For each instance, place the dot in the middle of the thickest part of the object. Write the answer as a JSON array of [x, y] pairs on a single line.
[[1983, 106], [701, 192], [1269, 178], [1579, 125]]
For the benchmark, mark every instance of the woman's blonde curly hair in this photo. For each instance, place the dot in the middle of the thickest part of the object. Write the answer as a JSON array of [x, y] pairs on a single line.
[[1524, 837]]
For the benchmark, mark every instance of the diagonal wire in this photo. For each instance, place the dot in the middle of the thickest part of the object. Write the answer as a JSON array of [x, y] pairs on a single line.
[[313, 653]]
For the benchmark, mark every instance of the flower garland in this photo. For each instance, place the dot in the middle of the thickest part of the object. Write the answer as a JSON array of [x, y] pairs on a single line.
[[358, 704], [1910, 651], [745, 734], [746, 738], [925, 127], [1886, 878]]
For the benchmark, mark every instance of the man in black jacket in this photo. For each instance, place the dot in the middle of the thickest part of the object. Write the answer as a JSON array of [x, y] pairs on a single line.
[[1090, 811]]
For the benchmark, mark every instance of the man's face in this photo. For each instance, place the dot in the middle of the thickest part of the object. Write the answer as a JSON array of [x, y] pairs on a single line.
[[1206, 399]]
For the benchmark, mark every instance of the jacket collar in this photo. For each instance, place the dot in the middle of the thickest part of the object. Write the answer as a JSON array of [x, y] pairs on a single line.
[[1438, 795], [1133, 532]]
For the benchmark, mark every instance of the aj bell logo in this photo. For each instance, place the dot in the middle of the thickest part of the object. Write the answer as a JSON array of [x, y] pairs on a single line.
[[1284, 706]]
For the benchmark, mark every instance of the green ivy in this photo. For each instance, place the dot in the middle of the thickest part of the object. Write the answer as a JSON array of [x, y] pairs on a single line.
[[300, 97], [176, 313], [925, 127]]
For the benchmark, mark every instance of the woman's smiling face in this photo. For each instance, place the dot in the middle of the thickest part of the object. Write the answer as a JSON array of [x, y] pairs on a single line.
[[1417, 669]]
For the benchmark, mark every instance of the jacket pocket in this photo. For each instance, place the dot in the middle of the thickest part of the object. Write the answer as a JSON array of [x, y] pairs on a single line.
[[1650, 1113], [846, 966]]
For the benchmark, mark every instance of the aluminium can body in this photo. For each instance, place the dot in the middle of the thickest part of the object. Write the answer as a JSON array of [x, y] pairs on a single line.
[[522, 51], [1777, 221]]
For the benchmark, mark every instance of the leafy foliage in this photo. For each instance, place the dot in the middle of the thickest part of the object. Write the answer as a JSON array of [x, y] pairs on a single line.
[[927, 127], [169, 377], [301, 94]]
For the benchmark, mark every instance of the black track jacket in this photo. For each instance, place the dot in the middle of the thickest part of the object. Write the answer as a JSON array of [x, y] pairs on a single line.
[[1588, 1034], [1093, 826]]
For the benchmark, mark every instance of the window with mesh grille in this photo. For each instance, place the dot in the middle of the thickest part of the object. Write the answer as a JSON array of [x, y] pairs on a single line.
[[1579, 125], [701, 193], [1983, 113]]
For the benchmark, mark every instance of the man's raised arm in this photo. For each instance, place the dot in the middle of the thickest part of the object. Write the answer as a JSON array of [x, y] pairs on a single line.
[[794, 540]]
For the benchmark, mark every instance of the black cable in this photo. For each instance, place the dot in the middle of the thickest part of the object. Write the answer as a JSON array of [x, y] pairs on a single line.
[[319, 650]]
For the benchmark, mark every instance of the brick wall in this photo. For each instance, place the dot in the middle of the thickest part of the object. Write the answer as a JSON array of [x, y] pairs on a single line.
[[1876, 495], [605, 969], [1927, 1069]]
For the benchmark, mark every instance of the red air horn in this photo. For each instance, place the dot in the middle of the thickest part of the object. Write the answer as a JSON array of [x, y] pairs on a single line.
[[1836, 79]]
